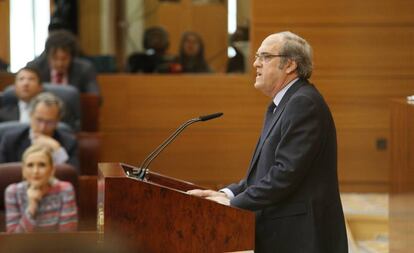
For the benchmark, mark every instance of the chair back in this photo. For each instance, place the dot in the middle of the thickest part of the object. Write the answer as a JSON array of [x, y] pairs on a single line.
[[90, 112], [7, 125], [89, 152]]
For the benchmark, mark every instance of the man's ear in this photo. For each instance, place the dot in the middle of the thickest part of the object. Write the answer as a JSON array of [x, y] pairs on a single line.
[[292, 66]]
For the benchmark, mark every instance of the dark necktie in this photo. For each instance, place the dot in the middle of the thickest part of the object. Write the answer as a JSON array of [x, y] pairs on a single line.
[[268, 119]]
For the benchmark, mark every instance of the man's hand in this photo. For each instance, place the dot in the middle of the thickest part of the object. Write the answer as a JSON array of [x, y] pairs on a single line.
[[47, 141], [219, 197]]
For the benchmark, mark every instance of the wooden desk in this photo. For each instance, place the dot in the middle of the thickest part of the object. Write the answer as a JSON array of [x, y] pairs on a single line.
[[402, 177], [50, 242], [402, 146]]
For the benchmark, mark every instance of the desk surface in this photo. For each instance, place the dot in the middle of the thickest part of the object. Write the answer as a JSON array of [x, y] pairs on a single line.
[[401, 223]]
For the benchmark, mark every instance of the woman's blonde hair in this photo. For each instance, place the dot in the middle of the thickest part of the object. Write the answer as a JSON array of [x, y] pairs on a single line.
[[37, 148]]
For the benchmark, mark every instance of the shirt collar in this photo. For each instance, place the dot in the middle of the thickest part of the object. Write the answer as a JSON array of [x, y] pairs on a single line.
[[54, 72], [23, 104], [281, 93], [24, 111]]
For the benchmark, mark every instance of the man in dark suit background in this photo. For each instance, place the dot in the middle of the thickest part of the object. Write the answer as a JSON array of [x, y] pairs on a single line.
[[59, 63], [27, 86], [15, 102], [292, 183], [45, 112]]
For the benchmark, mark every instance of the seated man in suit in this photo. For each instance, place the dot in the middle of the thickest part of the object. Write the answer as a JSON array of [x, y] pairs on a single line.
[[59, 63], [27, 86], [155, 58], [45, 112], [16, 99]]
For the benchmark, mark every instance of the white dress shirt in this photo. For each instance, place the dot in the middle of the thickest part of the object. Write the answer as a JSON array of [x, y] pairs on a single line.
[[24, 111]]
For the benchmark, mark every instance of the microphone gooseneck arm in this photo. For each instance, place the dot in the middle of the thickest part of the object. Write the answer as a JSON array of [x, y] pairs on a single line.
[[143, 169], [158, 150]]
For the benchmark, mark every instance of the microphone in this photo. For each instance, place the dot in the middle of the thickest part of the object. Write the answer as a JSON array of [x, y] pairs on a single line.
[[142, 171], [210, 116]]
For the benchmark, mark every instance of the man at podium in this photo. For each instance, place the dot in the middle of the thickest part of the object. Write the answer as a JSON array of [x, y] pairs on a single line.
[[291, 183]]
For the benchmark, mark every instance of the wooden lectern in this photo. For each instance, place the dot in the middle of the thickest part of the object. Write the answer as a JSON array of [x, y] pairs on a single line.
[[156, 215]]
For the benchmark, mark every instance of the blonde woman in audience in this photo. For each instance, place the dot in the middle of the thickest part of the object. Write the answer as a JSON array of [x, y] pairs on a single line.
[[40, 202]]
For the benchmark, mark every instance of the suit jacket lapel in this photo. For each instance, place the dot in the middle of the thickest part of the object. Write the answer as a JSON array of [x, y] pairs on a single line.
[[10, 113], [23, 142], [15, 113], [275, 118]]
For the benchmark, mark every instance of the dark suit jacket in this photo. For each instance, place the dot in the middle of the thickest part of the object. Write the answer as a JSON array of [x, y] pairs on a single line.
[[292, 181], [15, 141], [9, 113], [81, 74]]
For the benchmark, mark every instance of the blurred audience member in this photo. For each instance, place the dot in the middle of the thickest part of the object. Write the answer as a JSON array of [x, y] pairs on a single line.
[[64, 16], [40, 202], [27, 86], [15, 105], [56, 23], [59, 63], [239, 41], [191, 57], [45, 112], [155, 58], [3, 66]]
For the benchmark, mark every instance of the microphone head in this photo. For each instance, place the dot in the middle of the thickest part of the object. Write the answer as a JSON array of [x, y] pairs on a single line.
[[210, 116]]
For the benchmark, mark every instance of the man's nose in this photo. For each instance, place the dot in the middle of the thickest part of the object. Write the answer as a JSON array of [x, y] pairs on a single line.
[[257, 62], [42, 127], [59, 64]]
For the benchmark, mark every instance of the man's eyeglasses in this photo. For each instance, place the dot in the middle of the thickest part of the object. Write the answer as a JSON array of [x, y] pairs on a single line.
[[47, 123], [267, 57]]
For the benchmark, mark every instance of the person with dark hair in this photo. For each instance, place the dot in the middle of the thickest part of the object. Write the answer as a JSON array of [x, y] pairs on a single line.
[[191, 57], [3, 66], [45, 112], [292, 181], [40, 203], [64, 16], [59, 63], [239, 42], [155, 58], [15, 104], [27, 86]]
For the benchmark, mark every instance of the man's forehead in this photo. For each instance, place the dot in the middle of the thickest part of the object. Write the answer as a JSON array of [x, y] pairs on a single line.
[[60, 52], [25, 73], [268, 48], [42, 107], [271, 44]]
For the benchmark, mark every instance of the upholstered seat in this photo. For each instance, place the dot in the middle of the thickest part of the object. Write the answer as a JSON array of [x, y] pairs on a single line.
[[89, 144], [90, 112]]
